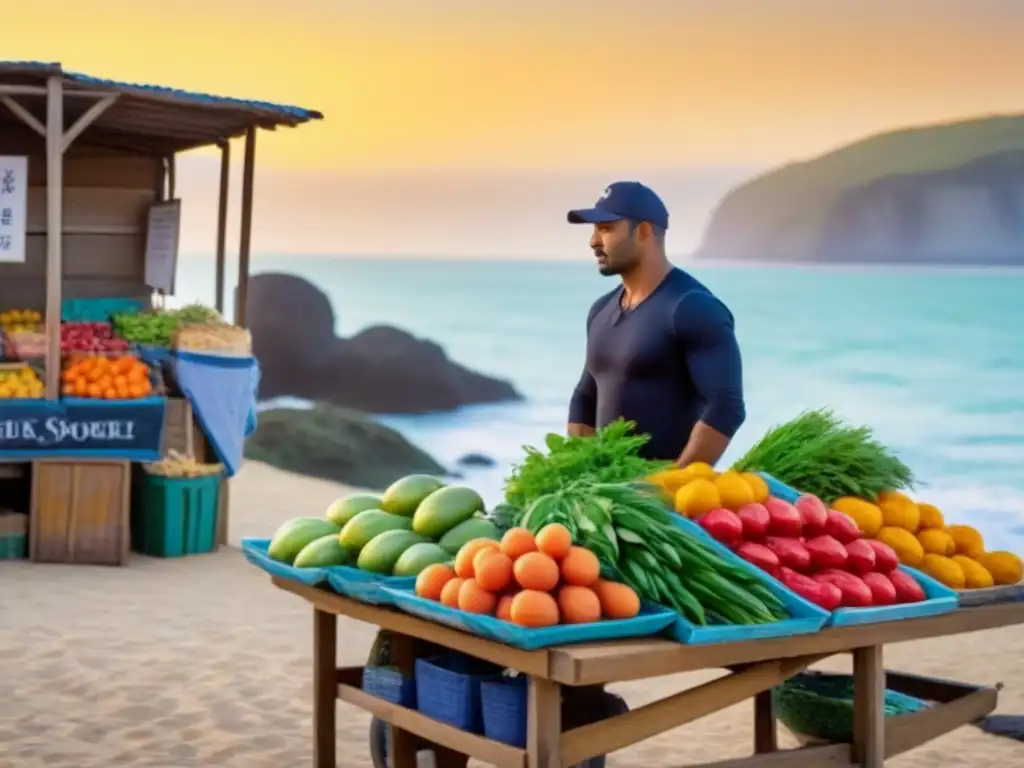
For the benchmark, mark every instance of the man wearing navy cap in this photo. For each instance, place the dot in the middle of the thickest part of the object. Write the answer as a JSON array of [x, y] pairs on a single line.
[[661, 349]]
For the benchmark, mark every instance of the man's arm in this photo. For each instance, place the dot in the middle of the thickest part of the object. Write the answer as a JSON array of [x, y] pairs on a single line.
[[583, 406], [707, 334]]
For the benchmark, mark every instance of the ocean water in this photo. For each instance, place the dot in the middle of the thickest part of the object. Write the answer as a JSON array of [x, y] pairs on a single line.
[[932, 359]]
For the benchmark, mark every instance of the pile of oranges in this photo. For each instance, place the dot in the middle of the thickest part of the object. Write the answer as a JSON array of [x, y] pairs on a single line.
[[122, 378], [531, 581]]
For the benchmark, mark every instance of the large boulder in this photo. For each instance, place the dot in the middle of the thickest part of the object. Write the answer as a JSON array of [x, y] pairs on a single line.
[[336, 444], [292, 325], [380, 370]]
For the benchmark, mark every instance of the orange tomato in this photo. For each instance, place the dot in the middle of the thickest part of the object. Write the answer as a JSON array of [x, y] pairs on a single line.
[[517, 542], [580, 567]]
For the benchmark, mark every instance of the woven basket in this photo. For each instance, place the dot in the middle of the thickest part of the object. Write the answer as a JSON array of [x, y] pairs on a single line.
[[818, 707]]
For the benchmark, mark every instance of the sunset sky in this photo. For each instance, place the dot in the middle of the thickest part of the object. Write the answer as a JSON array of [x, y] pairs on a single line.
[[467, 126]]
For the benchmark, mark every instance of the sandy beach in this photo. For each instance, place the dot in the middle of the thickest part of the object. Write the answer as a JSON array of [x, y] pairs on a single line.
[[200, 662]]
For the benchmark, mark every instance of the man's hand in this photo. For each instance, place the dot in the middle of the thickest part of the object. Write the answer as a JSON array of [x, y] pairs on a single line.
[[706, 444], [579, 430]]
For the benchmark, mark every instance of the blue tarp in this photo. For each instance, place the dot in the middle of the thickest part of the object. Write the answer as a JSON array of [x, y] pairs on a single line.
[[222, 391]]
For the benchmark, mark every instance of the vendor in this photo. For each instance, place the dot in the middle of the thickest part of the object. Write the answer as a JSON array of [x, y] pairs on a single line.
[[661, 348]]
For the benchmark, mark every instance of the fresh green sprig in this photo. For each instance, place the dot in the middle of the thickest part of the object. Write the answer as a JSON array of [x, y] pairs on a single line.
[[611, 455], [818, 453]]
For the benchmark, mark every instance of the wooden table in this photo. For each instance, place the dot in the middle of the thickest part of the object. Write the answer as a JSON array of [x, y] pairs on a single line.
[[755, 668]]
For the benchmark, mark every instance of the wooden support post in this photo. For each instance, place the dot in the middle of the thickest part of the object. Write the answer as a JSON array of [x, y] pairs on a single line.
[[325, 688], [171, 177], [868, 707], [54, 229], [245, 239], [544, 724], [88, 118], [222, 222], [765, 732], [403, 744]]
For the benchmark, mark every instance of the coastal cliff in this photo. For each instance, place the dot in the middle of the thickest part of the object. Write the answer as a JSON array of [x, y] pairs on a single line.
[[949, 194]]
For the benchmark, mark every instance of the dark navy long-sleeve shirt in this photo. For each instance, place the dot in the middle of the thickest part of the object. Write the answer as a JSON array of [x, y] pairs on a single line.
[[666, 364]]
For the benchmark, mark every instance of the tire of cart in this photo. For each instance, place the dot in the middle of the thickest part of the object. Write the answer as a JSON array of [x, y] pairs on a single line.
[[379, 736]]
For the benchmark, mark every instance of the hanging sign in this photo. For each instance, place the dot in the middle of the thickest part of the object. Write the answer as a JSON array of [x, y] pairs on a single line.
[[129, 430], [13, 208], [162, 231]]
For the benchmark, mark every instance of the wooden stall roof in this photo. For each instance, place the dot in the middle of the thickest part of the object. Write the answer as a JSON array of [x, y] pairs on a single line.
[[148, 119]]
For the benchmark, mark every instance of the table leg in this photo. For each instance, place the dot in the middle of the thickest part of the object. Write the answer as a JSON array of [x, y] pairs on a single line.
[[325, 688], [544, 724], [404, 745], [765, 732], [868, 707], [447, 758]]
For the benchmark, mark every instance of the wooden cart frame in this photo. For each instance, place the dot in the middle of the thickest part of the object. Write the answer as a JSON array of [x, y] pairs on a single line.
[[755, 667]]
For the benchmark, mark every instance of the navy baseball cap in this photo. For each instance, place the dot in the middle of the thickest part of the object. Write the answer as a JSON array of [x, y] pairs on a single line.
[[624, 200]]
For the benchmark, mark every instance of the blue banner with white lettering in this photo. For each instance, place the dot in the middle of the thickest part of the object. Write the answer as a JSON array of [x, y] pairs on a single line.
[[130, 430]]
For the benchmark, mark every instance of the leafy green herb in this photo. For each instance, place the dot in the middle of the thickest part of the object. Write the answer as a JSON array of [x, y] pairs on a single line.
[[609, 456], [817, 453]]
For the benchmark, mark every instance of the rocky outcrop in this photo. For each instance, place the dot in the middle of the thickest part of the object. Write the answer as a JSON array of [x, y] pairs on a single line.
[[380, 370], [950, 194], [336, 444]]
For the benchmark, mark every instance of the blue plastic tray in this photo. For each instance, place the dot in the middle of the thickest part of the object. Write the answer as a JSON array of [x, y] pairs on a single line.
[[940, 598], [365, 586], [651, 621], [806, 617], [345, 580], [255, 551]]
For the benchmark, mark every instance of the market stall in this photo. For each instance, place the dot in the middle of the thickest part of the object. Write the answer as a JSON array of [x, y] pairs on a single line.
[[602, 567], [94, 379]]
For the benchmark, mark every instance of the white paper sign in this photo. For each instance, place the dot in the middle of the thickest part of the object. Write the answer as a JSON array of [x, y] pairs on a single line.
[[13, 207], [162, 245]]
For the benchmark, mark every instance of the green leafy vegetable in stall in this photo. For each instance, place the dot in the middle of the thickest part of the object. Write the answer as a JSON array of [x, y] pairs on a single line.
[[818, 453], [156, 327], [611, 455], [628, 527]]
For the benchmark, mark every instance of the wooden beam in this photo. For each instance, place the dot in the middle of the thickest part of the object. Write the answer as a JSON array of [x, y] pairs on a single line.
[[26, 117], [222, 222], [54, 229], [88, 118], [23, 90], [595, 663], [652, 719], [245, 240]]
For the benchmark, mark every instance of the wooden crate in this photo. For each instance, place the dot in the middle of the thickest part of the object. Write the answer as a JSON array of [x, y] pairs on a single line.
[[80, 512]]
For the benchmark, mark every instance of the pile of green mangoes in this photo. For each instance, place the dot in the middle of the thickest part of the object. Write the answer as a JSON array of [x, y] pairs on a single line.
[[418, 521]]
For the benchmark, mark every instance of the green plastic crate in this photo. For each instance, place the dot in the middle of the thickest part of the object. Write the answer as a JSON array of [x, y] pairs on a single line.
[[176, 516], [13, 546]]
